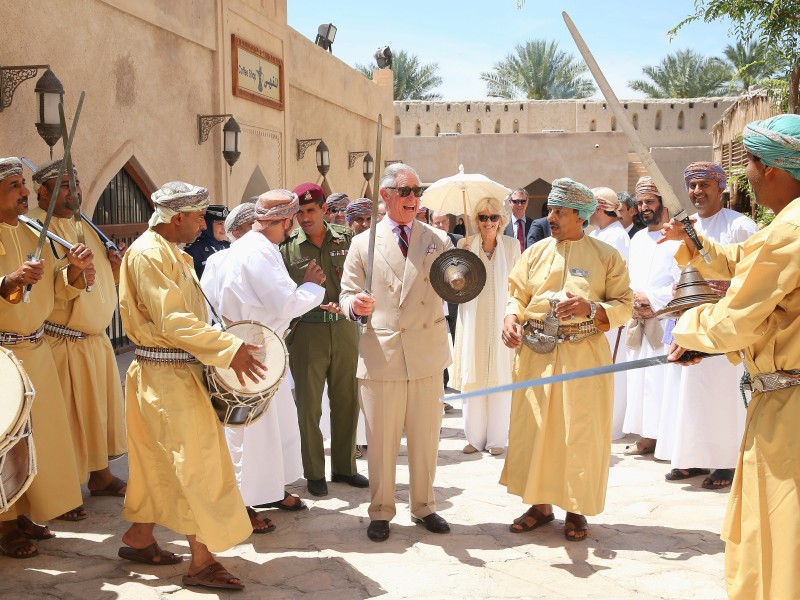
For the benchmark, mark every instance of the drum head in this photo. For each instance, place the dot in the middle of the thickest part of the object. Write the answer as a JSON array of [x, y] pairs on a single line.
[[13, 404], [273, 354]]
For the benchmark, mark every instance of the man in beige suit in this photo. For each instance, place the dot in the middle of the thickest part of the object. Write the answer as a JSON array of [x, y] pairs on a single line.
[[402, 351]]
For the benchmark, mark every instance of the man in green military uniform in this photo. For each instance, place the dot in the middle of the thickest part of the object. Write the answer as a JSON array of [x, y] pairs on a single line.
[[323, 346]]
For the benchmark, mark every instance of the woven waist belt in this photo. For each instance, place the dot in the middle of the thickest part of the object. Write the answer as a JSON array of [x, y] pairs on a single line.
[[321, 316], [62, 331], [161, 356], [570, 332], [8, 338], [767, 382]]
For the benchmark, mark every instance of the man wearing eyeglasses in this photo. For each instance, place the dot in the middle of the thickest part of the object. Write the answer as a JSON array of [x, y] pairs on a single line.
[[336, 207], [402, 350], [520, 223]]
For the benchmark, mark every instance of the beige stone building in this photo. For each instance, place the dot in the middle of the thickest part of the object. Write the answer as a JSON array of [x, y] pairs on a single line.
[[529, 143], [150, 67]]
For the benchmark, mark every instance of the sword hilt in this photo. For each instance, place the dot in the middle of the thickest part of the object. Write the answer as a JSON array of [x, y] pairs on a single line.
[[688, 227], [26, 295]]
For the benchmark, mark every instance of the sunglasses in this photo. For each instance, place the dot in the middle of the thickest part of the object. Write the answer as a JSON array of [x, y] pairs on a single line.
[[492, 218], [336, 211], [518, 202], [405, 191]]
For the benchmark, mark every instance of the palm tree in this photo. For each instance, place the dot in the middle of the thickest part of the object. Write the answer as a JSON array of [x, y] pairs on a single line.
[[749, 62], [685, 74], [538, 70], [412, 81]]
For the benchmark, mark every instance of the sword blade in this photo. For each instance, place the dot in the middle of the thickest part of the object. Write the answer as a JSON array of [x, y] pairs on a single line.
[[679, 209], [560, 378], [375, 199], [73, 193], [670, 198], [37, 255], [36, 226], [641, 363]]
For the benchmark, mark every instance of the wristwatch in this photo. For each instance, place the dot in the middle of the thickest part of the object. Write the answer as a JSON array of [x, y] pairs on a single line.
[[592, 309]]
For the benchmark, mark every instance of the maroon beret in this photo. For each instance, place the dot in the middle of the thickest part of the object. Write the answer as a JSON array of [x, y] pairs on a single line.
[[309, 192]]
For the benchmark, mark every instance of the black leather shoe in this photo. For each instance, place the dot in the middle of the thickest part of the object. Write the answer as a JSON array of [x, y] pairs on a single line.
[[433, 523], [378, 531], [357, 480], [317, 487]]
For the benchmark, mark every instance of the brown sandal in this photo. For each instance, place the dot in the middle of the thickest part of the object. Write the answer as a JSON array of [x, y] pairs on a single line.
[[12, 543], [79, 512], [148, 555], [33, 531], [213, 576], [255, 522], [532, 513], [573, 524], [114, 488]]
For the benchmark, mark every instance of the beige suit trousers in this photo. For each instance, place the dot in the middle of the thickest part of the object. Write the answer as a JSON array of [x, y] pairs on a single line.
[[388, 407]]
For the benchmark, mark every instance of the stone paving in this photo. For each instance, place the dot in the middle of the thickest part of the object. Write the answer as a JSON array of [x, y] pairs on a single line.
[[654, 540]]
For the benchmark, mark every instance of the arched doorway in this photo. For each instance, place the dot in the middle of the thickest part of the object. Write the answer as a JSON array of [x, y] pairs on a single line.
[[256, 186], [122, 213], [538, 191]]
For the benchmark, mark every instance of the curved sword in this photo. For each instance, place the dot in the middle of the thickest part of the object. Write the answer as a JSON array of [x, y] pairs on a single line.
[[673, 204], [562, 377]]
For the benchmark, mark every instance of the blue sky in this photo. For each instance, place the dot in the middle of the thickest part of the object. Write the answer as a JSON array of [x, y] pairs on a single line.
[[469, 36]]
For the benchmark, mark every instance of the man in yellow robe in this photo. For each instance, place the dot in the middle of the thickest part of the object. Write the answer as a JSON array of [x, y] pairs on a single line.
[[75, 331], [56, 488], [760, 318], [180, 471], [560, 436]]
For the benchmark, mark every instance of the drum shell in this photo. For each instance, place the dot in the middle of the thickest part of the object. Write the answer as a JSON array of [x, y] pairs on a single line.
[[17, 468], [236, 407]]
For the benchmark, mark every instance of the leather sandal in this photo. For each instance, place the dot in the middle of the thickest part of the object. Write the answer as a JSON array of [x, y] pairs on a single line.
[[532, 513], [33, 531], [213, 576], [11, 544], [149, 554], [573, 524]]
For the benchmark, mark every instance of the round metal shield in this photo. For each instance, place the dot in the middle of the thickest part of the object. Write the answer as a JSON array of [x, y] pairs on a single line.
[[458, 276]]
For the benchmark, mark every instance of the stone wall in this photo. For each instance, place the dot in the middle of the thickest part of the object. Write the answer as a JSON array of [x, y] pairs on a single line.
[[677, 131]]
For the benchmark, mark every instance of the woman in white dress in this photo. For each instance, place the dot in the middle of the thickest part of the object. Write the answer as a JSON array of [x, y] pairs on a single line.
[[480, 358]]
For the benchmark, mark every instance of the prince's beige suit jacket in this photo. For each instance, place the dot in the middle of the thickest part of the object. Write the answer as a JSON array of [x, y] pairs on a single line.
[[406, 336]]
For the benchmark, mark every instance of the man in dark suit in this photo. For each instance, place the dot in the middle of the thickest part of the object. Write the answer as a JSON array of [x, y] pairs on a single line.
[[629, 214], [520, 224], [540, 229]]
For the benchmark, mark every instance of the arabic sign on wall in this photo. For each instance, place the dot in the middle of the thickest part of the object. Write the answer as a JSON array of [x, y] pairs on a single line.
[[257, 75]]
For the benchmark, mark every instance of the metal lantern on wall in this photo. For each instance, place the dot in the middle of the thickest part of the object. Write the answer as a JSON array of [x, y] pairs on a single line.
[[369, 167], [230, 148], [50, 94], [323, 159]]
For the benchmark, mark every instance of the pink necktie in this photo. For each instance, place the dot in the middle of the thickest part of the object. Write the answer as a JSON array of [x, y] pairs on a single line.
[[520, 236]]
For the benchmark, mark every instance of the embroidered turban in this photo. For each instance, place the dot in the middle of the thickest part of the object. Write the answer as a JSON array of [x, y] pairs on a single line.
[[645, 185], [337, 200], [275, 205], [49, 171], [607, 200], [571, 194], [9, 167], [776, 142], [175, 197], [362, 207], [239, 216], [705, 170]]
